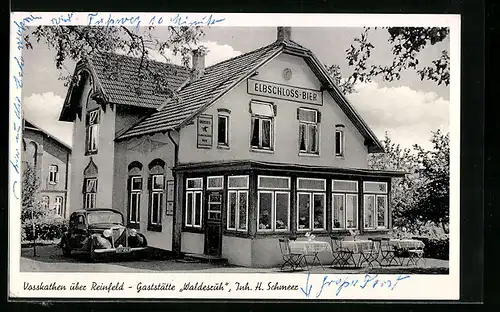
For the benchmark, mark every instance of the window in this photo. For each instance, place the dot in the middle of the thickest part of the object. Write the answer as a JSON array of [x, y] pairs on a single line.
[[308, 130], [135, 191], [194, 202], [311, 204], [156, 188], [53, 174], [375, 205], [345, 204], [339, 143], [273, 212], [262, 128], [223, 130], [90, 193], [92, 129], [237, 203], [215, 183], [45, 202], [214, 205], [58, 206]]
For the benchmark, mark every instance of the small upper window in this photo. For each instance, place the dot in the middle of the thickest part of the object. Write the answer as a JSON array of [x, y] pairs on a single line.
[[53, 174], [339, 141], [92, 131], [262, 126], [308, 130], [223, 130]]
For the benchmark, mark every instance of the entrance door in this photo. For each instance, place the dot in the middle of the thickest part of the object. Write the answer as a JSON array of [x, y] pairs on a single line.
[[213, 235]]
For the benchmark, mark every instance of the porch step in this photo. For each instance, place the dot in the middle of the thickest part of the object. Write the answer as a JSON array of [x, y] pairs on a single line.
[[191, 257]]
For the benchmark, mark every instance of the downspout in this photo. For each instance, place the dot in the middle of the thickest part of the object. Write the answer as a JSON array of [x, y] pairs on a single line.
[[66, 175], [176, 235]]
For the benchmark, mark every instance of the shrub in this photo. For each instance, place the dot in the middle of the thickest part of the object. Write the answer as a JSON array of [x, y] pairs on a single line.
[[49, 227], [435, 239]]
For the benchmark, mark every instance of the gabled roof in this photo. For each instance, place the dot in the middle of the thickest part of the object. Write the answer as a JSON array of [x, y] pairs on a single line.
[[32, 126], [193, 97], [222, 77], [117, 77]]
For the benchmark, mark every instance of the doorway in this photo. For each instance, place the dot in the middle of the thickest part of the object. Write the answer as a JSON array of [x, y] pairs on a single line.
[[213, 232]]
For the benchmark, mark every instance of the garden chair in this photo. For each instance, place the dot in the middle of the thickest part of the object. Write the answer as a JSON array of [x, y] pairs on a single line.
[[387, 252], [293, 260], [341, 256], [415, 254]]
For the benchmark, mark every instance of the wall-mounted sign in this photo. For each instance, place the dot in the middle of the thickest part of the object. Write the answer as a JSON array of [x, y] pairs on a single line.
[[205, 130], [284, 92]]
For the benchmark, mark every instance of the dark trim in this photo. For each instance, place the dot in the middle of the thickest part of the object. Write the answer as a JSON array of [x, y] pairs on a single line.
[[155, 227], [134, 164], [224, 110], [188, 229], [133, 225], [307, 170], [156, 162]]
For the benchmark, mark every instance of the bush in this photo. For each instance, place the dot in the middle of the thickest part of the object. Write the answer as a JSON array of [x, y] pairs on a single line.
[[437, 242], [49, 227]]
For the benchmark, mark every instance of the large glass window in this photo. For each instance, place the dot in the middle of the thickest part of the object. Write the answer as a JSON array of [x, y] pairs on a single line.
[[194, 202], [156, 190], [59, 206], [308, 130], [345, 204], [262, 129], [237, 204], [375, 205], [311, 204], [273, 203]]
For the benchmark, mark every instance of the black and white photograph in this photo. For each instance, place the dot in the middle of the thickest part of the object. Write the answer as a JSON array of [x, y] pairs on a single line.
[[174, 144]]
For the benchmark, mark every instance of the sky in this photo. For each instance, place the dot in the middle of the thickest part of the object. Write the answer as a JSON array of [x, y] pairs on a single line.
[[408, 109]]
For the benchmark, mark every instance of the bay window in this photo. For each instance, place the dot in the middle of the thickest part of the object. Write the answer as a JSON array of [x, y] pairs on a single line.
[[262, 126], [237, 203], [194, 202], [308, 130], [273, 211], [375, 205], [311, 204], [344, 204]]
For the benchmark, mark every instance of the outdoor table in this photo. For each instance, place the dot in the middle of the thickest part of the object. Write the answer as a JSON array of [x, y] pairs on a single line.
[[362, 248], [309, 248], [402, 245]]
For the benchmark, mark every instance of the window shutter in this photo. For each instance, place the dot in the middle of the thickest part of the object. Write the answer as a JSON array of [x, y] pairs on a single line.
[[129, 184], [275, 109], [298, 113], [57, 176], [84, 186], [319, 117]]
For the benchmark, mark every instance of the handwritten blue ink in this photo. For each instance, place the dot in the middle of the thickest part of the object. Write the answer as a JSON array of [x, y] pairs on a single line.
[[62, 19], [21, 28], [186, 21], [345, 282], [14, 189], [153, 21], [94, 19]]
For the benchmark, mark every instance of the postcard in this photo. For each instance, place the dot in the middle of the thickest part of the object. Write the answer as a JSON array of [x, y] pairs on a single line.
[[234, 156]]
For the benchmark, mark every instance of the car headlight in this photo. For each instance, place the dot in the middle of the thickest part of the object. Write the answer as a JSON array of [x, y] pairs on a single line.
[[107, 233], [133, 232]]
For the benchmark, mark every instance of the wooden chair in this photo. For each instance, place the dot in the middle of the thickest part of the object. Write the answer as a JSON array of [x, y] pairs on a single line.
[[293, 260], [341, 256]]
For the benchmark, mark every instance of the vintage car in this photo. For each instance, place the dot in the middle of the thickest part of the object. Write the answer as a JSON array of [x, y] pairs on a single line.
[[101, 232]]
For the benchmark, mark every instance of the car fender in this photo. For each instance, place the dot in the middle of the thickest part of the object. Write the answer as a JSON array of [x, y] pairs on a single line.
[[100, 241]]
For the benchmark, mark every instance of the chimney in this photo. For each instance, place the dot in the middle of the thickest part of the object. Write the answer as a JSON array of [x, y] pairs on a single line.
[[198, 68], [284, 34]]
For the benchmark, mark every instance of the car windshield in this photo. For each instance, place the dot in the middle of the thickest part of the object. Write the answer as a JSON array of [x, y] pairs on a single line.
[[104, 217]]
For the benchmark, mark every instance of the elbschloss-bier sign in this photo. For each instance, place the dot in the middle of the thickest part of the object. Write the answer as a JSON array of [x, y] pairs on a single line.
[[284, 92]]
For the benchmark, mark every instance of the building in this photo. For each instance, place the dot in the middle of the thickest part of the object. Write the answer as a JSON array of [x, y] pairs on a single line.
[[50, 158], [255, 147]]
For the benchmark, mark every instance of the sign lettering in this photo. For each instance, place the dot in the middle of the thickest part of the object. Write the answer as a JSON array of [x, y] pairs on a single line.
[[284, 92]]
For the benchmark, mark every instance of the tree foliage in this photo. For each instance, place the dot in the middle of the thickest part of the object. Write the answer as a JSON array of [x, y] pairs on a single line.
[[79, 42], [422, 196], [30, 206], [406, 44]]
